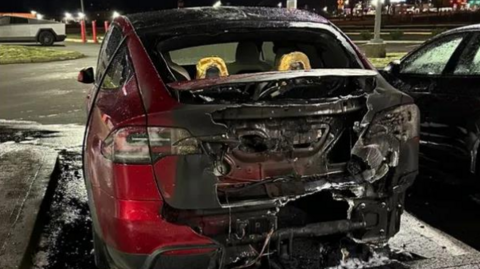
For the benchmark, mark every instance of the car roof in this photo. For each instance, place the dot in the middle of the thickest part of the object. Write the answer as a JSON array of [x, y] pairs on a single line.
[[468, 28], [191, 16]]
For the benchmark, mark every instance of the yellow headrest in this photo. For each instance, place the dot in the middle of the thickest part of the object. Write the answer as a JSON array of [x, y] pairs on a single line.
[[209, 64], [294, 61]]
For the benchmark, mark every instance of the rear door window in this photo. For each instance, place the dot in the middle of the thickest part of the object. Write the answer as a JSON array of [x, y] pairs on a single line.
[[119, 72], [469, 61], [433, 58], [4, 21], [18, 20], [191, 55], [109, 46]]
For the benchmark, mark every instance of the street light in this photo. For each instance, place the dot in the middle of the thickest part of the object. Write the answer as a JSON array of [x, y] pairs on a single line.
[[39, 16], [82, 7], [217, 4], [81, 15], [68, 16], [378, 22], [376, 48], [115, 14], [279, 4]]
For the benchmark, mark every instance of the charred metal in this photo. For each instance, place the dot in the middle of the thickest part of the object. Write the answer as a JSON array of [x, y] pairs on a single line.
[[339, 165]]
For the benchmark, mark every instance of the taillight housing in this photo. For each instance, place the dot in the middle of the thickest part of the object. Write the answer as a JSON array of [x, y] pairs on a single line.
[[140, 145], [401, 121]]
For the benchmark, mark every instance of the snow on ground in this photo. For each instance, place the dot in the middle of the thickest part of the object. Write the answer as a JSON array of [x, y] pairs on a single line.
[[66, 239], [377, 260]]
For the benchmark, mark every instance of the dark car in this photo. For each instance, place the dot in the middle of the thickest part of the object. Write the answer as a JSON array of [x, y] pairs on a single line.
[[221, 137], [443, 76]]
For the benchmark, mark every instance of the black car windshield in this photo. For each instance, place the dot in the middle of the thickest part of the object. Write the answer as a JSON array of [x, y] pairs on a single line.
[[234, 52]]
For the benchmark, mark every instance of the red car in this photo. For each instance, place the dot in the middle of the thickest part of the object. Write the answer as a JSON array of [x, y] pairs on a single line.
[[222, 137]]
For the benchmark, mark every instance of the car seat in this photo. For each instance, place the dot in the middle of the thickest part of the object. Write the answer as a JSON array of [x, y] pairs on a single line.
[[247, 60]]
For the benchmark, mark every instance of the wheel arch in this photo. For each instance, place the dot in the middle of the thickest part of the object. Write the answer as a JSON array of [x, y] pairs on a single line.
[[37, 36]]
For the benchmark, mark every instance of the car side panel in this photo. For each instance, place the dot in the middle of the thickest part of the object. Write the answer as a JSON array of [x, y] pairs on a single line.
[[153, 91], [126, 199]]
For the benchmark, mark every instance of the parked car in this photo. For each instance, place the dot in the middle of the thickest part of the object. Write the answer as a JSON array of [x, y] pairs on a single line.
[[19, 29], [443, 76], [214, 133]]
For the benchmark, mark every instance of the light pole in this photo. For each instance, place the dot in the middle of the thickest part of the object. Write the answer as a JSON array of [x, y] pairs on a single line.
[[82, 6], [291, 3], [378, 23], [376, 48]]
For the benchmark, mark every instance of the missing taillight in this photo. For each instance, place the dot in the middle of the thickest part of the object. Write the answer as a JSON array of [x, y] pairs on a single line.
[[172, 141], [142, 145]]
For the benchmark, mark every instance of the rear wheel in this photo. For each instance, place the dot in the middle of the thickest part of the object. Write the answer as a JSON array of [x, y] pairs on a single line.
[[46, 38], [101, 259]]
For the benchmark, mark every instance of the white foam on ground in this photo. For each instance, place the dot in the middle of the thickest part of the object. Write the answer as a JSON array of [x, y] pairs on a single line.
[[355, 263], [72, 190]]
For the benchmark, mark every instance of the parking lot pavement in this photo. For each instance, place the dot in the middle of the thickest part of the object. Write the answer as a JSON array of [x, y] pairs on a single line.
[[28, 154], [46, 92], [25, 174]]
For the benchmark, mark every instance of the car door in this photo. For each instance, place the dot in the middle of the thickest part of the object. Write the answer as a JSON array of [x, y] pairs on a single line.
[[5, 28], [459, 96], [424, 75], [20, 29]]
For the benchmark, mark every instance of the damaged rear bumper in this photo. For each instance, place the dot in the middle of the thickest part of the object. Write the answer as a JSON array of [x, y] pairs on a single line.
[[370, 219]]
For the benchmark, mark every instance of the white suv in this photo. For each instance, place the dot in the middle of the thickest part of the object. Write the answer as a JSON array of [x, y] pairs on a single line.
[[19, 29]]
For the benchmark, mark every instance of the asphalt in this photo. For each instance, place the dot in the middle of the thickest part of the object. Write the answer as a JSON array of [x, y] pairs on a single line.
[[28, 156], [46, 92], [25, 175]]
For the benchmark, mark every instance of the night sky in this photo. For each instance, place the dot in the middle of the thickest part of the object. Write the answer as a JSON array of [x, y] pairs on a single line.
[[55, 8]]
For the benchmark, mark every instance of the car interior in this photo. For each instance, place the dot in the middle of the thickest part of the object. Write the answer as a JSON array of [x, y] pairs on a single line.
[[199, 57]]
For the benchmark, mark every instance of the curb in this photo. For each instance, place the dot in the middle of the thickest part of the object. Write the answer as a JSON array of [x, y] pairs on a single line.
[[18, 244], [33, 60], [403, 42], [77, 40]]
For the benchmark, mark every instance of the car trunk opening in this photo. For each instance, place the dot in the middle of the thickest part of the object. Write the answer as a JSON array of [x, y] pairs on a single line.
[[263, 154], [230, 151]]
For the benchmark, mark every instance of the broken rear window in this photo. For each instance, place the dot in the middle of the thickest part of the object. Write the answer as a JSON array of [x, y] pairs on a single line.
[[292, 87], [230, 53]]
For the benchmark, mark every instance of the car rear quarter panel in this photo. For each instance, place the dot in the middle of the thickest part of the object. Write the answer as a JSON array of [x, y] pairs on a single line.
[[57, 28], [126, 199]]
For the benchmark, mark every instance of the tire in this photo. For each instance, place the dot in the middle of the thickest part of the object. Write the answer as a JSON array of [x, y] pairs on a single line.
[[100, 252], [46, 38]]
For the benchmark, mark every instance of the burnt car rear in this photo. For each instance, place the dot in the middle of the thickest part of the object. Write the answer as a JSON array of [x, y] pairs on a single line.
[[254, 160], [334, 157]]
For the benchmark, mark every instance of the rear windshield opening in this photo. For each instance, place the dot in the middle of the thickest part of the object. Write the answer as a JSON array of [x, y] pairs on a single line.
[[245, 52], [291, 91]]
